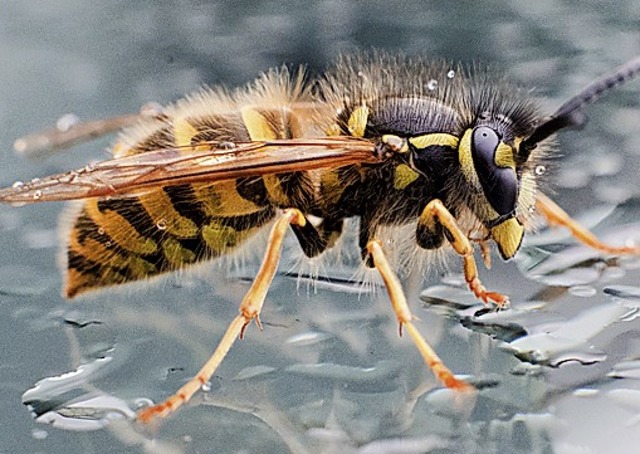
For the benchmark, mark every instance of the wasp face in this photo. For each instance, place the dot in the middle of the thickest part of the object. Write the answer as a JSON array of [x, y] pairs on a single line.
[[488, 156]]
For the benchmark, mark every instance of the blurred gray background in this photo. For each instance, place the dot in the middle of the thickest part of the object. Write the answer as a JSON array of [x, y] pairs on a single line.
[[329, 373]]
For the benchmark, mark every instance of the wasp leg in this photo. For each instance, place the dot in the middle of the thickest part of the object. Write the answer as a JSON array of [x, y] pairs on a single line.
[[249, 310], [405, 319], [556, 216], [436, 217]]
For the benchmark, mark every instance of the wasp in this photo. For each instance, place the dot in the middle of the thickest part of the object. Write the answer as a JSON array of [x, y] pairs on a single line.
[[389, 140]]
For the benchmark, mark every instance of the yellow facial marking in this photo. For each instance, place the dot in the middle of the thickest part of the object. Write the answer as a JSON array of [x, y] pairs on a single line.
[[257, 125], [508, 236], [441, 139], [504, 156], [119, 229], [358, 121], [404, 176], [466, 159]]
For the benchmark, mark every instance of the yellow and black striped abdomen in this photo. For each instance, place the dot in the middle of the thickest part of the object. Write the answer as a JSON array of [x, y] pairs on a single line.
[[118, 240]]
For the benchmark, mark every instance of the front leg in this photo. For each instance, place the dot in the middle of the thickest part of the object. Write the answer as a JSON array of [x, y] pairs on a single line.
[[437, 223]]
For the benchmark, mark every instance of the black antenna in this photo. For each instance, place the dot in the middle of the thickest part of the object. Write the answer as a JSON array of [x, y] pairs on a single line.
[[569, 114]]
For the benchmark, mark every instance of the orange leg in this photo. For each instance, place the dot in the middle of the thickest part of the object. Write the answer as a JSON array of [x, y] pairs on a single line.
[[405, 319], [556, 216], [461, 244], [249, 310]]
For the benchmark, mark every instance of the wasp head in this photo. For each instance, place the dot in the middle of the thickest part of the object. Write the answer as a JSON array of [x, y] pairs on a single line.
[[498, 178]]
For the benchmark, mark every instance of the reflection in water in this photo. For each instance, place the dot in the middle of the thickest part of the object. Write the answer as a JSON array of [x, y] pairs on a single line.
[[64, 403]]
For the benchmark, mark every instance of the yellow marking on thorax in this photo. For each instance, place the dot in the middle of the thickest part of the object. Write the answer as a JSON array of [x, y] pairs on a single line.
[[357, 122], [504, 156], [119, 229], [437, 138], [404, 176], [158, 205]]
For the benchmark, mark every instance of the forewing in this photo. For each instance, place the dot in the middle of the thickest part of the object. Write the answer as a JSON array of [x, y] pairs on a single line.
[[205, 163]]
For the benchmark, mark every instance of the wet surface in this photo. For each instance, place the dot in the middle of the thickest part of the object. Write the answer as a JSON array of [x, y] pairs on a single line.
[[557, 371]]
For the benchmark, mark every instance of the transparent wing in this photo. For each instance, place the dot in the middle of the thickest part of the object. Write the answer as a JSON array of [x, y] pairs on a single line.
[[209, 162]]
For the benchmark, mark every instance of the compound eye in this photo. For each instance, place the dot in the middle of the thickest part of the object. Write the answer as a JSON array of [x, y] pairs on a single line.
[[500, 184], [484, 143]]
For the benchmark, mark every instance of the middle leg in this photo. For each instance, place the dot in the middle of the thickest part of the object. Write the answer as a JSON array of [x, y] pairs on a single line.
[[405, 319]]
